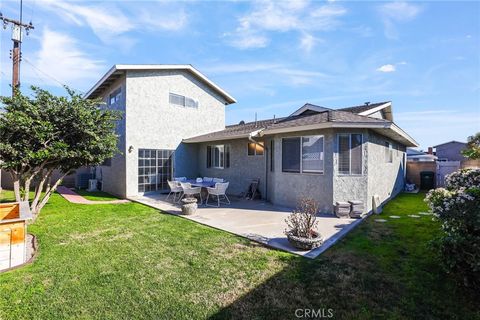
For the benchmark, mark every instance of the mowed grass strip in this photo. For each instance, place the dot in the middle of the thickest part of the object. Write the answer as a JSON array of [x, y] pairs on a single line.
[[132, 261]]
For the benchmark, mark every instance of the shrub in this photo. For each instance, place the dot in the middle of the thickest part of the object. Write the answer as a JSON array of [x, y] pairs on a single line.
[[457, 207], [303, 220]]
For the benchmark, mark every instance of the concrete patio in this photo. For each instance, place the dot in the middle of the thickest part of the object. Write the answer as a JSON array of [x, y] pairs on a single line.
[[256, 220]]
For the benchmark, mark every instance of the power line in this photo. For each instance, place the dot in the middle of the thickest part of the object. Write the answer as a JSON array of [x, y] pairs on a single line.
[[50, 76]]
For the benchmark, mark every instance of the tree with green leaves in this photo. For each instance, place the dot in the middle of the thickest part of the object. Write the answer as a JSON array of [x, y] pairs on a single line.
[[42, 133], [473, 147]]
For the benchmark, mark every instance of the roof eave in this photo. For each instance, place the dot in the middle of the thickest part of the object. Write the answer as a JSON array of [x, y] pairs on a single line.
[[228, 98]]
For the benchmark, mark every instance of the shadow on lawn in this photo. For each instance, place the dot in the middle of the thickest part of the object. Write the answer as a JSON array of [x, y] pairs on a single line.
[[353, 285]]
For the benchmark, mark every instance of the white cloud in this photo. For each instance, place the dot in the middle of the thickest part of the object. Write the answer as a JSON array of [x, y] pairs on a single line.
[[307, 42], [397, 12], [281, 16], [387, 68], [66, 63], [108, 20]]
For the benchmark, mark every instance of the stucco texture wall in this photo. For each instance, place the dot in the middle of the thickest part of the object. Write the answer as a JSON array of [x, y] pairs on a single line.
[[350, 187], [286, 188], [384, 179], [243, 168], [153, 123], [113, 176]]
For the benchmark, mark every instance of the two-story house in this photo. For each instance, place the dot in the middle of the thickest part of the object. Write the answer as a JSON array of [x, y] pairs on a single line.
[[174, 125]]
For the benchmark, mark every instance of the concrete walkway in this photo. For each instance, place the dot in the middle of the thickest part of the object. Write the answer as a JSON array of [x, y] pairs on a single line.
[[256, 220], [73, 197]]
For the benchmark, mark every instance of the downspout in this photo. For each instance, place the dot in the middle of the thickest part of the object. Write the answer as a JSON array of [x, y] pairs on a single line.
[[259, 133]]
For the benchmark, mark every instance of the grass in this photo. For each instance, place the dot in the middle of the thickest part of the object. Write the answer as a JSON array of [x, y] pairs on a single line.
[[131, 261], [95, 195]]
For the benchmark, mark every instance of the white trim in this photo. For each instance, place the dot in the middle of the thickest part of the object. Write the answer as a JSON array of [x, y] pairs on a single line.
[[373, 110], [311, 107], [187, 67]]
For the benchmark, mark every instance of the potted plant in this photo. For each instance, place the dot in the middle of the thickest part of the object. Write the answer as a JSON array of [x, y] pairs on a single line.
[[302, 224], [189, 205]]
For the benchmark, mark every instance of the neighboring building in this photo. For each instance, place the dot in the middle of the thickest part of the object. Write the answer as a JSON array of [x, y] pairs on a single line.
[[174, 125], [416, 155], [450, 151]]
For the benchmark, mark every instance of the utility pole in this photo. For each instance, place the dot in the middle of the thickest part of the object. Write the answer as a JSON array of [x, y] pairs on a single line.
[[16, 53]]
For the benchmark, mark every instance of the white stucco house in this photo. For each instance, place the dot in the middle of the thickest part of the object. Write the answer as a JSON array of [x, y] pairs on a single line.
[[174, 125]]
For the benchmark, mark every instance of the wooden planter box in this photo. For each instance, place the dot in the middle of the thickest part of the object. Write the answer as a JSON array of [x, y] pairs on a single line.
[[13, 234]]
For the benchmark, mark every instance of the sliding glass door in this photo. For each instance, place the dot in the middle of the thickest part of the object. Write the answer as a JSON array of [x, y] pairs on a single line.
[[155, 167]]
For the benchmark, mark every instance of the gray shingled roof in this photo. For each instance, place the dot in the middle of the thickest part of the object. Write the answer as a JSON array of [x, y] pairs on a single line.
[[363, 107], [243, 130], [236, 130]]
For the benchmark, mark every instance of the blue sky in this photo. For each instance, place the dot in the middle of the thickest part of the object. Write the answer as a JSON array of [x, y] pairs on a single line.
[[273, 56]]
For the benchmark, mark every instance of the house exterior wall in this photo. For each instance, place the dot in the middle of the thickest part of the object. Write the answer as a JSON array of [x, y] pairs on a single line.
[[243, 168], [153, 123], [350, 187], [113, 176], [384, 179], [286, 188], [451, 151]]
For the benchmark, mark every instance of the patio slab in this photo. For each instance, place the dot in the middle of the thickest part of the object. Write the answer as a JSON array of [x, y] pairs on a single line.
[[256, 220]]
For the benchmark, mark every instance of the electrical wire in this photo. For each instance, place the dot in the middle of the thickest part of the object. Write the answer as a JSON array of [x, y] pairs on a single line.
[[50, 76]]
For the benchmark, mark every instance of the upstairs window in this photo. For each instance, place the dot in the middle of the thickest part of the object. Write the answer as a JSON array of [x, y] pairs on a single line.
[[255, 149], [182, 101], [115, 97], [350, 156]]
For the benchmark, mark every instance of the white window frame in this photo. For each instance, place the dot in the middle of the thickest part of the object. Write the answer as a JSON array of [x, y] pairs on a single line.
[[222, 150], [316, 172], [184, 105], [262, 143], [350, 155]]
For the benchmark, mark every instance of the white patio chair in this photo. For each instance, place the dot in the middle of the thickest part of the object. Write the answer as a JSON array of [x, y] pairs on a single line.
[[218, 180], [188, 190], [220, 192], [175, 189], [207, 179], [180, 179]]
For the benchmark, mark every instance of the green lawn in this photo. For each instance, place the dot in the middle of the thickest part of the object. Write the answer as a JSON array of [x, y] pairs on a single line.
[[130, 261], [95, 195]]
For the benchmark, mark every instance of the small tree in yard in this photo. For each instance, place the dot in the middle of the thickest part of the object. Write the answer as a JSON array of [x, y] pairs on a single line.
[[457, 207], [473, 147], [43, 133]]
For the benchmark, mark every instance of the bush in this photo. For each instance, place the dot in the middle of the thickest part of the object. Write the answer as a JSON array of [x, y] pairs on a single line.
[[457, 207], [303, 220]]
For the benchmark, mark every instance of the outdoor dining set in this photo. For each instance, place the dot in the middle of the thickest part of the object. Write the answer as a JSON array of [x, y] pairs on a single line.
[[216, 188]]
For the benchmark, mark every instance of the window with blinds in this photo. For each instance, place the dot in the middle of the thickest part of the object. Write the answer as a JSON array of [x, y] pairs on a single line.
[[182, 101], [350, 154]]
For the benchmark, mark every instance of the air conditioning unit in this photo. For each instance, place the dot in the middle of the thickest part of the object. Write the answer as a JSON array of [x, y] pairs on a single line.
[[92, 185]]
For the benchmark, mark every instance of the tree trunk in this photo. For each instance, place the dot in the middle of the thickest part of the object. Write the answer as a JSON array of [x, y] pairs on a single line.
[[48, 192], [39, 188], [16, 186]]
